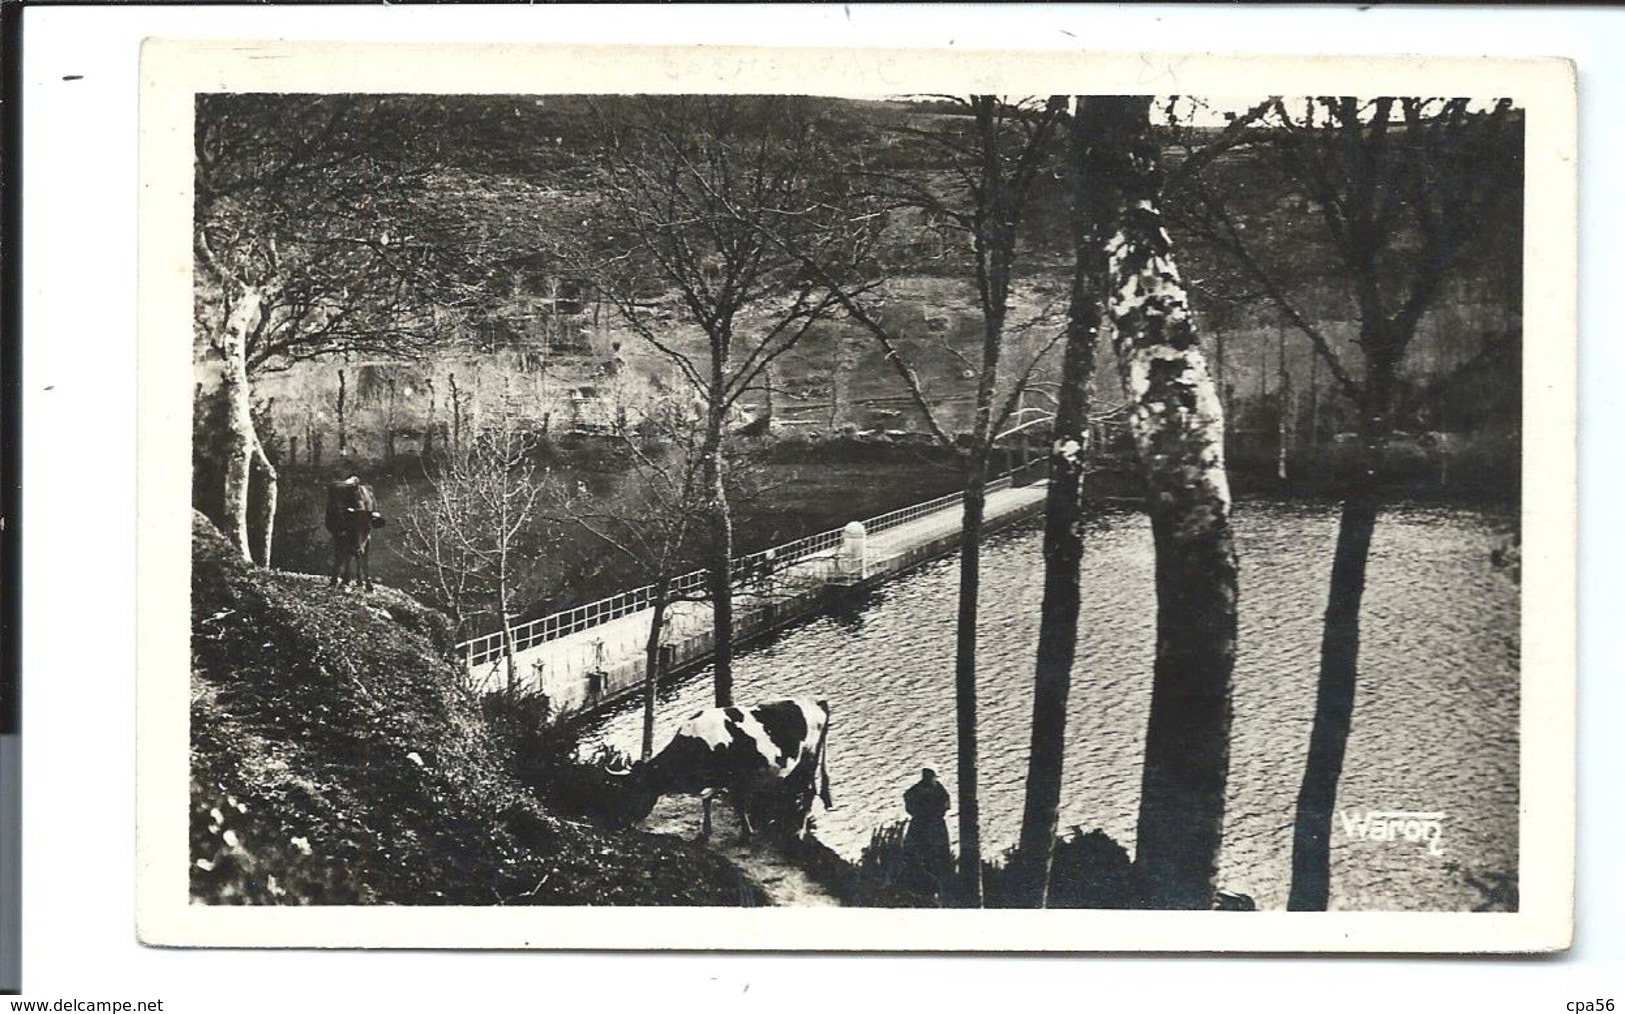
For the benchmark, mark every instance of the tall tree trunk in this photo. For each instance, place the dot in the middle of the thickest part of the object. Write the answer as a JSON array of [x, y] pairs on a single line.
[[1063, 529], [389, 420], [428, 426], [837, 381], [509, 646], [994, 245], [505, 533], [1187, 749], [651, 663], [767, 398], [970, 580], [508, 643], [1283, 385], [456, 415], [1314, 411], [239, 440], [1178, 426], [344, 435], [1339, 655], [720, 567], [1057, 635], [269, 478], [1263, 374]]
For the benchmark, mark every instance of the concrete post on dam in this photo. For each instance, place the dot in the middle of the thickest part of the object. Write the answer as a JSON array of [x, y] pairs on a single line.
[[851, 560]]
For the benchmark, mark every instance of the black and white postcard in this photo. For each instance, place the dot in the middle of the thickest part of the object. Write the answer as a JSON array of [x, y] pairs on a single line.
[[855, 499]]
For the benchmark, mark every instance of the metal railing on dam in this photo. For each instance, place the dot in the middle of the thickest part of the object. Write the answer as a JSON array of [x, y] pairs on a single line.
[[585, 657], [487, 648]]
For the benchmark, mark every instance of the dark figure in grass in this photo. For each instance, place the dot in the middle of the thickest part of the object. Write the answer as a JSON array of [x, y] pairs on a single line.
[[927, 860], [351, 516]]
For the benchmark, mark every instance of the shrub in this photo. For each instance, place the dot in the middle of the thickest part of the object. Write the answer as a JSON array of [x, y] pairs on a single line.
[[878, 882], [543, 752], [1087, 870]]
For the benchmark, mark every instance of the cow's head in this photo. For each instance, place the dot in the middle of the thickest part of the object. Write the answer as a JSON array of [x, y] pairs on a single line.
[[633, 791]]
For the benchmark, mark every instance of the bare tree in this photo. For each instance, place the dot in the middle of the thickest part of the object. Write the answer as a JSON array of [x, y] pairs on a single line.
[[1402, 187], [1103, 133], [297, 257], [1178, 425], [1091, 138], [995, 153], [657, 528], [690, 186], [432, 539], [476, 530]]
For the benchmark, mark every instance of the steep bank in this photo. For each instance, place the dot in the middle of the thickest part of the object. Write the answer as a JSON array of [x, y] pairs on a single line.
[[336, 760]]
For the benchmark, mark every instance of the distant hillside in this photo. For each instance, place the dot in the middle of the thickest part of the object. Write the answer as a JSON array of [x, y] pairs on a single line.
[[513, 178], [336, 760], [513, 182]]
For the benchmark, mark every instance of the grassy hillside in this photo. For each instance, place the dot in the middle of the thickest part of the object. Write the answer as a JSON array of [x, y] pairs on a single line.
[[336, 760]]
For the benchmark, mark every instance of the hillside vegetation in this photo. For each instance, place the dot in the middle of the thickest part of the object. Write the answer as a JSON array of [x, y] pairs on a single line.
[[510, 182], [337, 760]]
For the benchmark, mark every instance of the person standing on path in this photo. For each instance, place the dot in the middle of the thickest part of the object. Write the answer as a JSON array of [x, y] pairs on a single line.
[[927, 860]]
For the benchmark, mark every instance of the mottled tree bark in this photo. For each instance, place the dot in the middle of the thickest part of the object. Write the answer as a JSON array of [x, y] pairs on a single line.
[[1178, 426], [268, 478], [1063, 515], [239, 439], [720, 569], [243, 451]]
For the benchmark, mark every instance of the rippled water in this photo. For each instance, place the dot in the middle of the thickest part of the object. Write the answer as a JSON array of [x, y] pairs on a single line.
[[1435, 726]]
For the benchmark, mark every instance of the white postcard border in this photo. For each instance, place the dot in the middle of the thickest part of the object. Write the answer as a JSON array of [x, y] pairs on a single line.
[[173, 71]]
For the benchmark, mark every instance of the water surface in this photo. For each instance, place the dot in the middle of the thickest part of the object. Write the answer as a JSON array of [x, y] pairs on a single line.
[[1435, 725]]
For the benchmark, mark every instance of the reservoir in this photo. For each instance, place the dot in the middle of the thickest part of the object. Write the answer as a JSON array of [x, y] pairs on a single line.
[[1435, 725]]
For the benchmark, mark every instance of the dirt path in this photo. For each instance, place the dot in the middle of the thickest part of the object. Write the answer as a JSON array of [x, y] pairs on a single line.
[[782, 881]]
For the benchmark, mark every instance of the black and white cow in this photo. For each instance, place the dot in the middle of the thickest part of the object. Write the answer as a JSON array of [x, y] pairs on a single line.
[[769, 758], [351, 517]]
